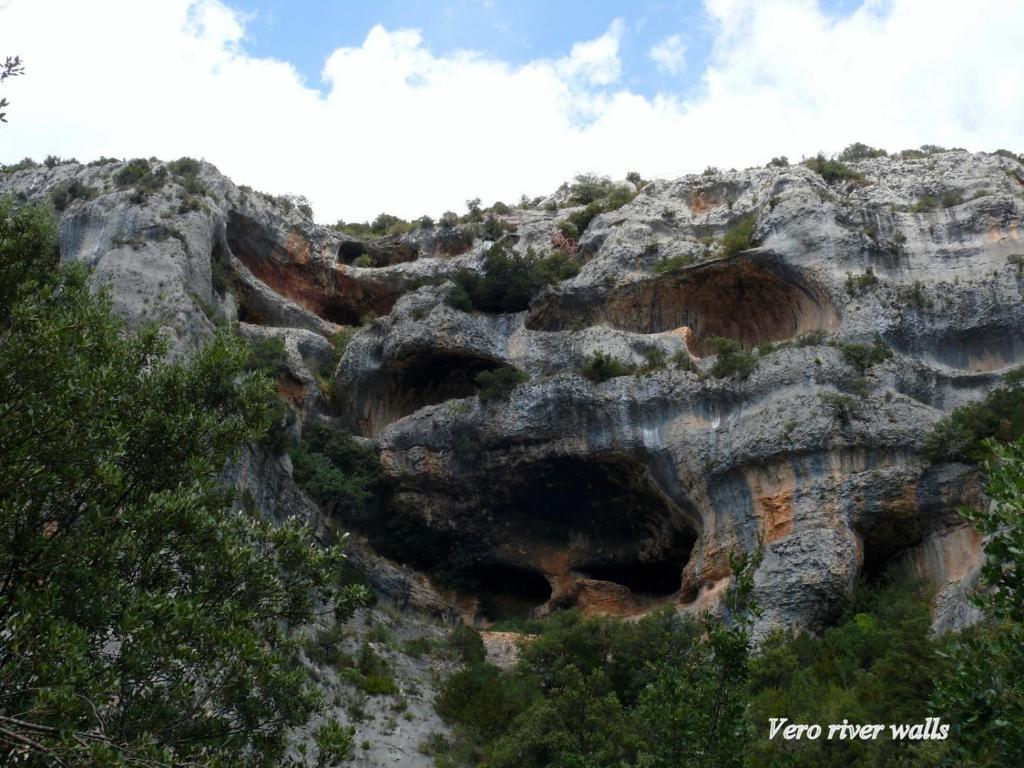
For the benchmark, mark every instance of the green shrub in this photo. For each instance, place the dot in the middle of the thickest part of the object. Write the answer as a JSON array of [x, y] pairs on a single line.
[[418, 647], [673, 264], [856, 285], [448, 220], [588, 188], [961, 435], [498, 383], [185, 166], [466, 644], [862, 356], [913, 295], [343, 477], [858, 151], [601, 366], [458, 297], [135, 171], [843, 407], [1016, 260], [354, 228], [1009, 154], [733, 361], [654, 360], [599, 195], [576, 223], [65, 193], [466, 448], [364, 261], [948, 199], [266, 354], [372, 673], [509, 282], [334, 743], [834, 171], [22, 165], [813, 338], [682, 361], [139, 175], [779, 162], [740, 236]]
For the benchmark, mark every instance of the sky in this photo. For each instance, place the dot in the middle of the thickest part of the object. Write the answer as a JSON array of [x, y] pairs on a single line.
[[415, 107]]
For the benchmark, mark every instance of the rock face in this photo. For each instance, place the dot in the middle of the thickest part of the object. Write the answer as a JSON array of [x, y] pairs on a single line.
[[629, 493]]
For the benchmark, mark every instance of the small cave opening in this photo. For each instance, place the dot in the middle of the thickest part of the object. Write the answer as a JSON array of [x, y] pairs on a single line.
[[410, 383], [885, 540], [508, 591], [350, 250], [746, 298], [657, 576]]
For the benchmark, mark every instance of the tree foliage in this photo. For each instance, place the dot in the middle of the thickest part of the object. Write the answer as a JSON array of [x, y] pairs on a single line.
[[144, 621], [12, 67], [983, 691], [661, 692], [509, 281]]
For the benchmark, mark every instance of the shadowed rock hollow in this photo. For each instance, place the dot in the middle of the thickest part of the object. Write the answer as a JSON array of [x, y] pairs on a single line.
[[750, 299]]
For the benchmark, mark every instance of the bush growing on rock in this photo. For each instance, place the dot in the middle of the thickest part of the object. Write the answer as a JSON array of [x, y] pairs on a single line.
[[343, 477], [858, 151], [509, 281], [862, 356], [139, 175], [601, 366], [733, 361], [857, 285], [498, 383], [66, 193], [833, 171], [588, 188], [740, 236], [963, 435], [673, 264]]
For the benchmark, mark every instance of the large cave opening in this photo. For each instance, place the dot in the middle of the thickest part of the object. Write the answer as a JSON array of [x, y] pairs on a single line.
[[747, 298], [606, 515], [534, 534]]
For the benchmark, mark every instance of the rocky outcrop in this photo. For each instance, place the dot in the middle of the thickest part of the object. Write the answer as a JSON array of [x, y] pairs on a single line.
[[629, 493]]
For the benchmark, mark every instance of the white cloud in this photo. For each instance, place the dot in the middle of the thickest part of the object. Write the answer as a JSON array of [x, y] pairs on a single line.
[[669, 54], [596, 61], [403, 129]]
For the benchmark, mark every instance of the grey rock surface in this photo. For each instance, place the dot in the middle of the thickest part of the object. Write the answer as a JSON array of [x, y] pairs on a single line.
[[625, 494]]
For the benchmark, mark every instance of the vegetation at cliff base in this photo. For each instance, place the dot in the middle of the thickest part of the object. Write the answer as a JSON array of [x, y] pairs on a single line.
[[662, 691], [982, 690], [146, 621]]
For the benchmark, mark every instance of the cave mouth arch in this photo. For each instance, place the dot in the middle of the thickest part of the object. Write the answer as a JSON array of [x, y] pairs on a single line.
[[750, 298], [605, 517]]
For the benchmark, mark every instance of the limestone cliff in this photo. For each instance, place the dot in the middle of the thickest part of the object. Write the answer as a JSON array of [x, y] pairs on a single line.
[[620, 495]]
